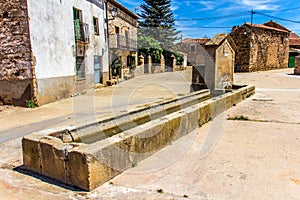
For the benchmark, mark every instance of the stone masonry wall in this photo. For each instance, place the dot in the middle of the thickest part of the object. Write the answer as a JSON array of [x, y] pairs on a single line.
[[297, 65], [15, 56], [270, 50], [242, 42], [266, 49]]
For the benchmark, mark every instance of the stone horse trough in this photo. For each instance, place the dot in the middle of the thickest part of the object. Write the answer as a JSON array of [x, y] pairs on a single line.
[[88, 155]]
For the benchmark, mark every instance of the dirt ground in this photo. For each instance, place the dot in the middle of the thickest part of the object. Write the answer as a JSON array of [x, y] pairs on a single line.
[[255, 155]]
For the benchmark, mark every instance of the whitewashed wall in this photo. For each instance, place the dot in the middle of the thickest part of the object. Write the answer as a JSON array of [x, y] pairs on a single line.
[[52, 36]]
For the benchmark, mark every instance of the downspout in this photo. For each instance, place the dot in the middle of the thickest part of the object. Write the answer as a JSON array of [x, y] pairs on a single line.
[[107, 34], [33, 62]]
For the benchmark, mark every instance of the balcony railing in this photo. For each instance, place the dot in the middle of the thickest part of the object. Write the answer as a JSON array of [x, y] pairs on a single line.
[[82, 33], [122, 42]]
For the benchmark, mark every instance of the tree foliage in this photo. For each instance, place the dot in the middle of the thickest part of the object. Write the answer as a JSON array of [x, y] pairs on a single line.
[[157, 21], [149, 46]]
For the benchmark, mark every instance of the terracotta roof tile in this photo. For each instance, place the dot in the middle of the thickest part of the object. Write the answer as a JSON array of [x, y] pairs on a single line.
[[217, 39], [295, 41], [294, 35], [195, 40], [267, 27]]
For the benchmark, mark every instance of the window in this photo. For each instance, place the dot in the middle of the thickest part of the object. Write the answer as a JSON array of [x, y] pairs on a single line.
[[117, 30], [282, 39], [77, 14], [81, 29], [80, 68], [96, 25], [193, 48]]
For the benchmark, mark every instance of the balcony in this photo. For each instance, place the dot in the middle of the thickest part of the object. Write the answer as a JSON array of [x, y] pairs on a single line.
[[123, 43], [82, 33]]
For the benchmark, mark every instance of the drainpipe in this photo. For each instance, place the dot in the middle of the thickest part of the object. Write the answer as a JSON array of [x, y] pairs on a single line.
[[107, 34], [33, 62]]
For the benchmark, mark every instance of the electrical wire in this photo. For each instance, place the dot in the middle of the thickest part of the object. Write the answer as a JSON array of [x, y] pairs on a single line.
[[204, 27], [217, 17], [279, 18]]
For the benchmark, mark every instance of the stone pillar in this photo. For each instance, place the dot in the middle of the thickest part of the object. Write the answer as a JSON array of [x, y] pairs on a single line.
[[141, 60], [149, 64], [173, 63], [297, 65], [162, 63]]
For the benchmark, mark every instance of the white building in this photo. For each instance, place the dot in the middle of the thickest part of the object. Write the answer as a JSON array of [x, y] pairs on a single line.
[[64, 49]]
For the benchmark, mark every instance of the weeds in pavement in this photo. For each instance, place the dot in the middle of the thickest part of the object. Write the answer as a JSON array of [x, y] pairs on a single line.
[[238, 118], [160, 191], [31, 104]]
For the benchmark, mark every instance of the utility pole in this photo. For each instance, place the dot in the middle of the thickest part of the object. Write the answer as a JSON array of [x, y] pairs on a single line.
[[252, 13], [251, 28]]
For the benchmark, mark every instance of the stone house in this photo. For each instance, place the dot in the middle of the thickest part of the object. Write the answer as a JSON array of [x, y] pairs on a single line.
[[212, 60], [261, 46], [50, 50], [194, 48], [294, 49], [294, 41], [122, 34], [294, 58]]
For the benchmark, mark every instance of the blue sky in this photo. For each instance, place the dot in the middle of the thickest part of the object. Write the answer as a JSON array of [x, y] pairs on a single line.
[[195, 9]]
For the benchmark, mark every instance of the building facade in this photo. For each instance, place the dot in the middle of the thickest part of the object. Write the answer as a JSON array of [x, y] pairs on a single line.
[[194, 48], [261, 47], [122, 34], [50, 50]]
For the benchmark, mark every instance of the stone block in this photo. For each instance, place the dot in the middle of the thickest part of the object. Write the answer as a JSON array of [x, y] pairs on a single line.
[[204, 113], [87, 166], [31, 153], [53, 158], [78, 169]]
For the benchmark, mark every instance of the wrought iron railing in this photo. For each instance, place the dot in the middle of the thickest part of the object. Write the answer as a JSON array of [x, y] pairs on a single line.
[[121, 42], [82, 32]]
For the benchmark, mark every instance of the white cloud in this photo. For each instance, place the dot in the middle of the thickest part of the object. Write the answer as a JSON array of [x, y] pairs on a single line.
[[133, 3], [174, 7], [260, 4], [209, 5]]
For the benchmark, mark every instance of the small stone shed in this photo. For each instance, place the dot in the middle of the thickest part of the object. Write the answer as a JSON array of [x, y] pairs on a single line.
[[222, 50], [261, 46]]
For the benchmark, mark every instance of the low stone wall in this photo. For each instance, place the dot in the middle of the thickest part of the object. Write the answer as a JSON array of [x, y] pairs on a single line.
[[297, 65], [15, 92], [139, 71], [89, 165], [157, 68]]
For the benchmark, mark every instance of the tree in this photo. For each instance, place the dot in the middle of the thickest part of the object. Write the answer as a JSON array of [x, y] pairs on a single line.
[[157, 21], [149, 46]]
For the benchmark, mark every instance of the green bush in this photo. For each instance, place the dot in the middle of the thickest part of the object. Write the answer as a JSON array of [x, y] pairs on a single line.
[[31, 104]]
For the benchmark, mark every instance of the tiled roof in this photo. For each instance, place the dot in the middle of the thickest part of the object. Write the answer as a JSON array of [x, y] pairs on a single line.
[[276, 25], [217, 39], [267, 27], [195, 40], [294, 35], [119, 5], [294, 41]]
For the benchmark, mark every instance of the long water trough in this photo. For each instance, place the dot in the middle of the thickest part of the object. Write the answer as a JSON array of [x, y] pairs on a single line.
[[90, 154]]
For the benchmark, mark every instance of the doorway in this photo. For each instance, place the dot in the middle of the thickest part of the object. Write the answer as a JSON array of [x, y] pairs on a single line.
[[97, 69]]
